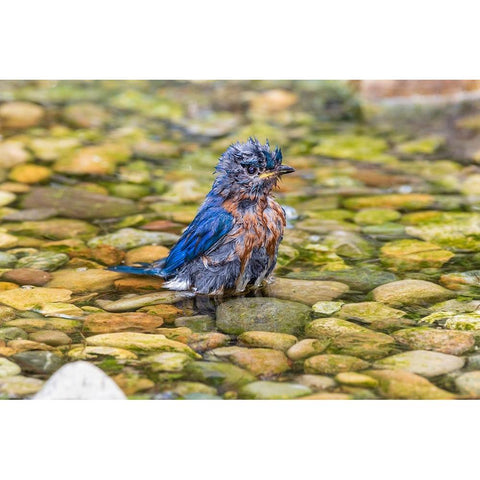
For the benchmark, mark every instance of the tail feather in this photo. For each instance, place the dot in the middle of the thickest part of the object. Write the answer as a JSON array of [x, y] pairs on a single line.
[[141, 270]]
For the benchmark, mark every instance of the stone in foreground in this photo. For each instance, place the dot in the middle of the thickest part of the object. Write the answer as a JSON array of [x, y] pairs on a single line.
[[265, 390], [80, 381], [422, 362], [262, 314]]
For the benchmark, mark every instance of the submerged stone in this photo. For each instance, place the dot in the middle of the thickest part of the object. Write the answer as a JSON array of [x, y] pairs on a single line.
[[40, 362], [127, 238], [413, 255], [307, 348], [8, 368], [277, 341], [422, 362], [369, 312], [117, 322], [469, 384], [305, 291], [330, 364], [411, 292], [359, 279], [399, 384], [46, 261], [141, 342], [30, 297], [444, 341], [262, 314], [77, 203], [84, 280], [223, 375], [19, 386], [410, 201], [27, 276], [267, 390]]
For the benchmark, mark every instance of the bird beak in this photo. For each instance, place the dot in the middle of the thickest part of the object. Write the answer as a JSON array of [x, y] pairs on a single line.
[[283, 169]]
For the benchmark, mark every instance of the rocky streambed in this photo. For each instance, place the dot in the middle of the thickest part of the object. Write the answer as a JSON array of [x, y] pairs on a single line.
[[377, 288]]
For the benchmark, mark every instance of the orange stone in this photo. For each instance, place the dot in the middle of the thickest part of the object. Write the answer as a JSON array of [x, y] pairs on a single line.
[[133, 284], [119, 322]]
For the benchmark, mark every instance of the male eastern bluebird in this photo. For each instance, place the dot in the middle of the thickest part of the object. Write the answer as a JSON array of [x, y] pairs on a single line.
[[233, 241]]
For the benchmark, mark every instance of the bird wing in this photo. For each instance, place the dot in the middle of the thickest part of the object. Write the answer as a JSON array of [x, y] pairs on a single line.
[[210, 225]]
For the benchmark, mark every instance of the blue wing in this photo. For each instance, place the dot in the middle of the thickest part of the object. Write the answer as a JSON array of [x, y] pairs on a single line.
[[210, 225]]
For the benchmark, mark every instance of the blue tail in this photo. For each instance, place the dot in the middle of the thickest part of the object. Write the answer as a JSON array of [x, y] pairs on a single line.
[[146, 270]]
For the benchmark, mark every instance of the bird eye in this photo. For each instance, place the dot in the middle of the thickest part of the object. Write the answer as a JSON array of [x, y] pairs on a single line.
[[251, 170]]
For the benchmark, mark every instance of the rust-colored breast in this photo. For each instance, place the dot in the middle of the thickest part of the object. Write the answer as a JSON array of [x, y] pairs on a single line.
[[259, 225]]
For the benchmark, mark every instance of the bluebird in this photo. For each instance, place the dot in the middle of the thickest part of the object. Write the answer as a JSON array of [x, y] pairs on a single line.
[[233, 241]]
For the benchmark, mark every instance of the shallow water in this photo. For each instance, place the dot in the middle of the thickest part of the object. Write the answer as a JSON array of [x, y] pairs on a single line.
[[376, 289]]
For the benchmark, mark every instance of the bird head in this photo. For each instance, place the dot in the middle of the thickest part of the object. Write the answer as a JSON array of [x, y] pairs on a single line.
[[250, 169]]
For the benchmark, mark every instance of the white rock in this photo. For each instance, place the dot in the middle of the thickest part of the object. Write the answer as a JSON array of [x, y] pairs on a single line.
[[80, 381]]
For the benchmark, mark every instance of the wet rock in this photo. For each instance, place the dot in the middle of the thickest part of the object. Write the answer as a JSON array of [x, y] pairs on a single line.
[[262, 314], [222, 375], [54, 229], [399, 384], [458, 233], [307, 348], [83, 280], [167, 312], [12, 153], [7, 260], [308, 292], [6, 314], [443, 341], [92, 160], [167, 362], [277, 341], [328, 396], [369, 312], [197, 323], [78, 203], [467, 321], [27, 276], [49, 149], [201, 342], [88, 353], [137, 301], [127, 238], [29, 173], [425, 145], [331, 364], [376, 216], [422, 362], [53, 338], [118, 322], [8, 368], [316, 382], [358, 147], [6, 198], [47, 261], [327, 308], [85, 115], [355, 379], [138, 284], [350, 245], [411, 292], [40, 362], [184, 389], [146, 254], [266, 390], [413, 255], [468, 281], [28, 298], [272, 101], [35, 324], [259, 361], [140, 342], [358, 279], [19, 386], [469, 383], [20, 114], [348, 338], [7, 240], [80, 381], [7, 286], [411, 201], [31, 214]]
